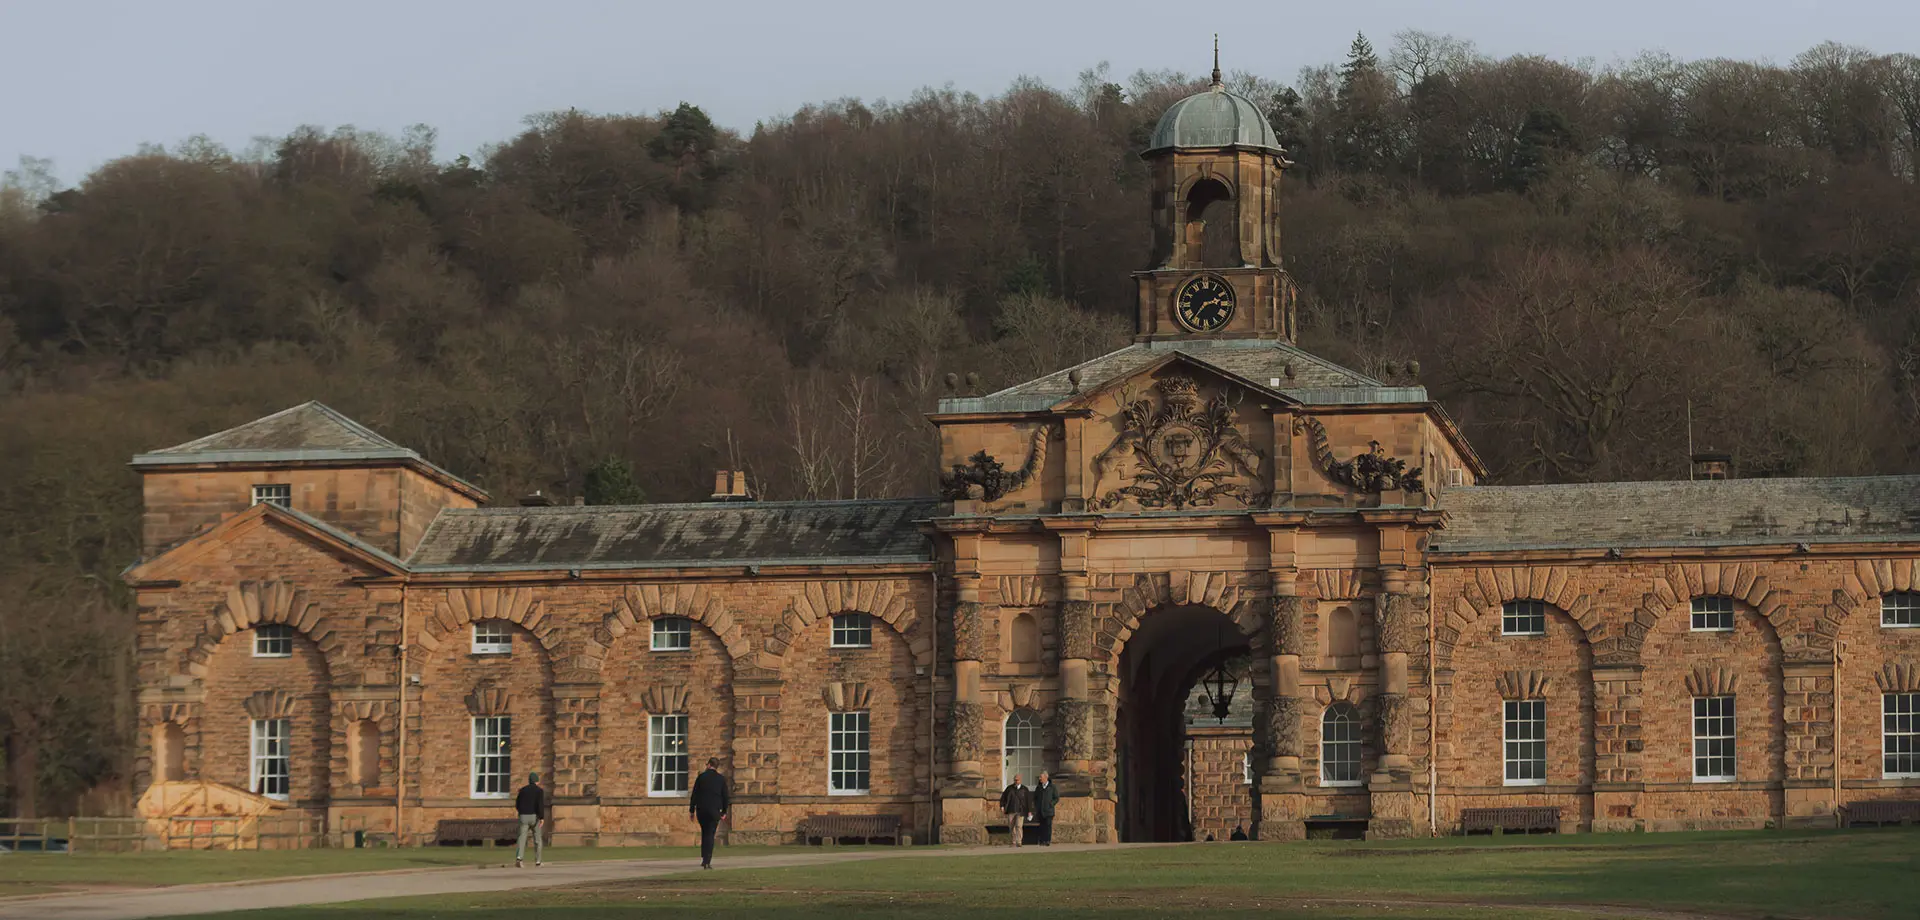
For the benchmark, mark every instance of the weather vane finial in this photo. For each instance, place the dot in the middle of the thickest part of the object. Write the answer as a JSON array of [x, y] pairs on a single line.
[[1216, 60]]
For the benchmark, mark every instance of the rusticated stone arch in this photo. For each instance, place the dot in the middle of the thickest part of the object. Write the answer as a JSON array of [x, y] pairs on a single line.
[[1870, 579], [1489, 587], [1680, 583], [1225, 592], [642, 603], [462, 606], [889, 602], [1209, 175], [252, 603]]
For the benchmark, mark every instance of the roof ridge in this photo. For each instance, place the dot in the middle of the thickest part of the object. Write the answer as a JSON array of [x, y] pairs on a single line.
[[1705, 483], [378, 441]]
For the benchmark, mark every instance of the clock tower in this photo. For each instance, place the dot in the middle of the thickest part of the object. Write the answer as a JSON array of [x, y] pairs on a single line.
[[1216, 167]]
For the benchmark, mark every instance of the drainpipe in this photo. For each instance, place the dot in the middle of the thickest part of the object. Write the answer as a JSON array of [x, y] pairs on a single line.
[[1838, 819], [400, 746], [933, 709], [1433, 722]]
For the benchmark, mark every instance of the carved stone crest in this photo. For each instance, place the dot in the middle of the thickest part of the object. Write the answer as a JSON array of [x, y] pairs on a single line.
[[1372, 471], [983, 478], [1182, 453]]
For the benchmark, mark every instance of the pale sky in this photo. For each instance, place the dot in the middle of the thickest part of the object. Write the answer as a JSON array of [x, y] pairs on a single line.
[[83, 81]]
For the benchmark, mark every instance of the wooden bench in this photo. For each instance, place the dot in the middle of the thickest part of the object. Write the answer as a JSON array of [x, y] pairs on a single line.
[[1881, 813], [468, 832], [1515, 820], [834, 828]]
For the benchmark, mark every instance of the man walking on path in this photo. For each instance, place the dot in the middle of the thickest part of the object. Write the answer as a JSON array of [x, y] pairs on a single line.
[[531, 804], [1016, 802], [1045, 797], [708, 805]]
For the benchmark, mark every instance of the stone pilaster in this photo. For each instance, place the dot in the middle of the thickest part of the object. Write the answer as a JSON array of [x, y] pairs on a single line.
[[1807, 706], [1617, 746]]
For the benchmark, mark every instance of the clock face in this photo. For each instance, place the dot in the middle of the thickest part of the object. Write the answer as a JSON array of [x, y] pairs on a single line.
[[1205, 304]]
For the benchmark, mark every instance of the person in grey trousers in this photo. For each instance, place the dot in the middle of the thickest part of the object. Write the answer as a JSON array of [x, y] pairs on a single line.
[[531, 804]]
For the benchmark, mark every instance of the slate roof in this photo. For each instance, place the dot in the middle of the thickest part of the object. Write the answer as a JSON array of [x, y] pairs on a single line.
[[1314, 381], [1698, 513], [704, 534], [309, 432]]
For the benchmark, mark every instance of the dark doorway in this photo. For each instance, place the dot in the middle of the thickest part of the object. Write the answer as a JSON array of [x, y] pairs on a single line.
[[1213, 226], [1174, 648]]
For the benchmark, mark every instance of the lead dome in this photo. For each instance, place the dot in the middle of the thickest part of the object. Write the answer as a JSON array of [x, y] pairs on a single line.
[[1214, 117]]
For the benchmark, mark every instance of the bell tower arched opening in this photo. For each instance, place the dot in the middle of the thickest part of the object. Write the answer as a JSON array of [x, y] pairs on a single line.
[[1174, 649], [1212, 229]]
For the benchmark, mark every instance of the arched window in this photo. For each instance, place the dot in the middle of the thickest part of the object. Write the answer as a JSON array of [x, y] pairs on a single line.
[[1022, 751], [1025, 642], [1343, 634], [1340, 746]]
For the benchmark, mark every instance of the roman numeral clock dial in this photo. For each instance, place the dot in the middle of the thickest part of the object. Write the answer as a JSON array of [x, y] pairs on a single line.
[[1204, 304]]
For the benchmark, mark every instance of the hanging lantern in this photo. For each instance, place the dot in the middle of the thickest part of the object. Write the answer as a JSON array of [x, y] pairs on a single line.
[[1220, 685]]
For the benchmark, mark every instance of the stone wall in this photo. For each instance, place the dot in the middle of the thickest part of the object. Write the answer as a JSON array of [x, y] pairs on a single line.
[[1221, 797]]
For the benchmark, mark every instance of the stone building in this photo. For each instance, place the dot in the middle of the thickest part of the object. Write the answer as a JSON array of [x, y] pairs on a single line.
[[329, 619]]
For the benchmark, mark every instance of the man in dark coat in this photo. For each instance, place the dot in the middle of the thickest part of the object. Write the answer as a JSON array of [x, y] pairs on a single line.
[[531, 805], [1016, 802], [1045, 798], [708, 805]]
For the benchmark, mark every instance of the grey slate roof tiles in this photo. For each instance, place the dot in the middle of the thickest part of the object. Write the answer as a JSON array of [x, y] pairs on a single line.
[[1699, 513], [307, 427], [718, 533], [1314, 380]]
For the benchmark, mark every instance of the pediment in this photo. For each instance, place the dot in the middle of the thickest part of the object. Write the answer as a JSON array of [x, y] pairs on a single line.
[[181, 561], [1176, 363]]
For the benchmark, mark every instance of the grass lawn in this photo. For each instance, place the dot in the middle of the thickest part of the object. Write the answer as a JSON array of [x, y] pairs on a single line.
[[1874, 875], [39, 873]]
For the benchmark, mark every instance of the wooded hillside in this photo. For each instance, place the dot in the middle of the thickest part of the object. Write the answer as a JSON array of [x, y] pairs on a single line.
[[621, 304]]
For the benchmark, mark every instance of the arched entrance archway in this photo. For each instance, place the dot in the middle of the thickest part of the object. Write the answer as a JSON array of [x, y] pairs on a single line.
[[1172, 650]]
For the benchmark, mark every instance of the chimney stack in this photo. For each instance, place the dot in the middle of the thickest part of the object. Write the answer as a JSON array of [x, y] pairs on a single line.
[[730, 486], [1712, 465]]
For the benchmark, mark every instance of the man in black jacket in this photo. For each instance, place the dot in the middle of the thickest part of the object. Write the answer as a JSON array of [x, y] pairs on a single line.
[[1045, 798], [1016, 802], [531, 805], [708, 805]]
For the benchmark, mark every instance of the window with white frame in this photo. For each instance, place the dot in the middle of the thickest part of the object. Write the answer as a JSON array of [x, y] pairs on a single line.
[[1523, 618], [278, 493], [1712, 739], [848, 762], [1526, 742], [1021, 748], [672, 634], [852, 630], [1340, 746], [272, 640], [492, 757], [667, 754], [1900, 608], [492, 637], [1713, 614], [270, 773], [1900, 735]]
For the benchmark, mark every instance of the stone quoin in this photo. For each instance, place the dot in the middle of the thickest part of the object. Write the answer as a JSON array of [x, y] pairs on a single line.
[[327, 618]]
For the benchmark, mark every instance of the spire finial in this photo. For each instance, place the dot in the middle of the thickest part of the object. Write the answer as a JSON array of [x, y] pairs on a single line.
[[1216, 60]]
